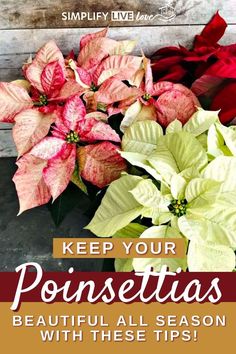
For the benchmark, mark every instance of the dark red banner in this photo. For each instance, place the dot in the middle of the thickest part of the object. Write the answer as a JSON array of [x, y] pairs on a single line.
[[137, 286]]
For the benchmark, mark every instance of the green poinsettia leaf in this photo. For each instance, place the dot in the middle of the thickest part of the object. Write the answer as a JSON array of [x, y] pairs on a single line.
[[190, 173], [216, 143], [207, 257], [229, 136], [201, 192], [223, 169], [133, 230], [201, 121], [162, 231], [146, 193], [77, 180], [124, 265], [178, 186], [140, 160], [174, 127], [142, 137], [176, 153], [203, 140], [118, 207], [215, 224]]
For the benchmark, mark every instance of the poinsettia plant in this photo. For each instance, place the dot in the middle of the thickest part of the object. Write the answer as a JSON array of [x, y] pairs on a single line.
[[208, 68], [187, 190], [145, 137], [64, 112]]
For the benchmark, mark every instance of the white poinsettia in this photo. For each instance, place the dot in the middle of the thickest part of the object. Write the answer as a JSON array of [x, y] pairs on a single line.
[[188, 196]]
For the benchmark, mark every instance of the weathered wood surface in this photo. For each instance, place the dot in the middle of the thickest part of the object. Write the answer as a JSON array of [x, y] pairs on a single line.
[[17, 45], [7, 147], [48, 13]]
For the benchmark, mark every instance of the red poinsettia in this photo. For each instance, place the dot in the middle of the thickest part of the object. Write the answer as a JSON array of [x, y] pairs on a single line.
[[172, 63], [54, 157], [209, 68]]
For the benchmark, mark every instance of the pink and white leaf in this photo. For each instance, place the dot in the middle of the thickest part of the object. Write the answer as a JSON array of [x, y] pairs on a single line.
[[59, 170], [148, 75], [70, 88], [160, 87], [82, 76], [95, 51], [53, 78], [179, 103], [30, 186], [88, 37], [92, 129], [137, 78], [73, 112], [97, 115], [124, 47], [113, 110], [100, 164], [30, 128], [47, 54], [114, 90], [123, 67], [13, 99], [48, 148]]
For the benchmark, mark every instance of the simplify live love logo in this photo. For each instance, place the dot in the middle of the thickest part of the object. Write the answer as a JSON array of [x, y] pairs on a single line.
[[164, 13]]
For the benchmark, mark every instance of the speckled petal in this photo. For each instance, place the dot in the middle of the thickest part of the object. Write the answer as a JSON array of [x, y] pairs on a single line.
[[31, 127], [59, 170], [48, 148], [100, 164], [73, 112], [91, 130], [13, 99], [47, 54], [31, 188]]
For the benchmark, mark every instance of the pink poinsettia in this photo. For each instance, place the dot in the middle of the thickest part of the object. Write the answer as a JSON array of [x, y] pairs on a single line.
[[101, 68], [175, 101], [164, 101], [46, 73], [32, 105], [13, 99], [57, 154]]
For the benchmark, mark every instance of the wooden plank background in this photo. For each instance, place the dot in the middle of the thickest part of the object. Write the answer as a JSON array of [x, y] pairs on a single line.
[[25, 25]]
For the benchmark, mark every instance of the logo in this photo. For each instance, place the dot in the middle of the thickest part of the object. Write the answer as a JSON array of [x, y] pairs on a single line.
[[122, 16], [167, 13]]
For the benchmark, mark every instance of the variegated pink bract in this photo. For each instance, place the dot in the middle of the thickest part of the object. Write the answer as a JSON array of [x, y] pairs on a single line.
[[13, 99], [175, 102], [59, 150], [101, 67], [100, 163]]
